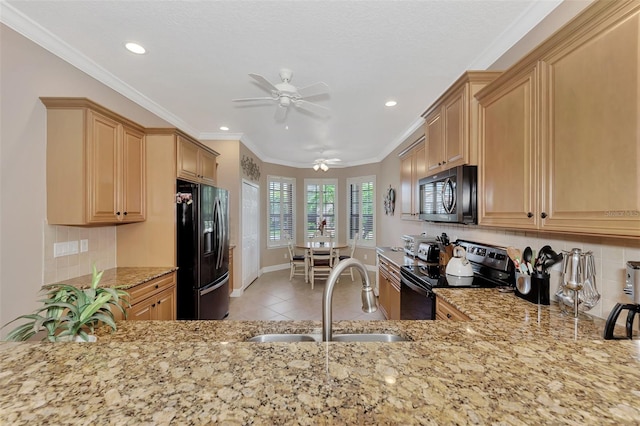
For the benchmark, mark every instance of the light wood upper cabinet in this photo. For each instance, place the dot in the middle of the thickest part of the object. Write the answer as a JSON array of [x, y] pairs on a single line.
[[508, 164], [560, 143], [412, 168], [95, 165], [451, 123], [196, 162]]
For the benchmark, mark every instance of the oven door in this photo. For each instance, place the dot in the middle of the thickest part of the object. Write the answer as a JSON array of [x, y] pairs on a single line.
[[416, 302]]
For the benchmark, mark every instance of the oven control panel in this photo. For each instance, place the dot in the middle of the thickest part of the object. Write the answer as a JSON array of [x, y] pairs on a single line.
[[491, 256]]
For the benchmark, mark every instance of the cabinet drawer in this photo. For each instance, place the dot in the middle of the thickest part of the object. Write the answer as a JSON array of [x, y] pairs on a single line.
[[445, 310], [145, 290]]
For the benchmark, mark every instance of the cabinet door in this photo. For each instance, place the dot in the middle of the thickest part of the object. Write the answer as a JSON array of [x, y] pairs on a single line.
[[142, 311], [507, 172], [102, 168], [455, 137], [133, 176], [383, 295], [406, 187], [207, 169], [394, 301], [187, 159], [434, 138], [165, 308], [591, 154]]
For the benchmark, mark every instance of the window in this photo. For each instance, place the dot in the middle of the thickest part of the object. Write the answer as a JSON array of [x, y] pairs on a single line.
[[281, 226], [361, 195], [321, 204]]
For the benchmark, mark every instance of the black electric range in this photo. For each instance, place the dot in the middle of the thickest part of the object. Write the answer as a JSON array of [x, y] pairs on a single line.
[[491, 266]]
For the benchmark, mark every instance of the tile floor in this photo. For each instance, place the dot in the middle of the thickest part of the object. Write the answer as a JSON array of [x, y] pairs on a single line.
[[273, 297]]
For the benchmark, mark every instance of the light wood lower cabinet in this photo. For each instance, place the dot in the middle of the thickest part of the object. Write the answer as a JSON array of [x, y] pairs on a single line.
[[153, 300], [389, 289], [446, 311]]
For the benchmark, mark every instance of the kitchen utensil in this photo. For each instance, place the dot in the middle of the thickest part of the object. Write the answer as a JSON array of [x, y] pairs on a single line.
[[514, 255], [458, 265], [523, 283], [578, 287], [526, 259]]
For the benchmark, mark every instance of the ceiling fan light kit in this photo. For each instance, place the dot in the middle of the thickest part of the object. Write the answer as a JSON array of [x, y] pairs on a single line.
[[286, 94]]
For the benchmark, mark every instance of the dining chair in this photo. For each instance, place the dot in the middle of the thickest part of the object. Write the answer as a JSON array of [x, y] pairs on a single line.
[[297, 261], [350, 255], [320, 262]]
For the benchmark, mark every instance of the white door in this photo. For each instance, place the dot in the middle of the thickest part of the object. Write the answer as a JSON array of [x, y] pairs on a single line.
[[250, 233]]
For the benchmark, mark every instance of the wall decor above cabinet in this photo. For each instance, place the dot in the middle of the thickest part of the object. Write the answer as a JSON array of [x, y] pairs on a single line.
[[95, 164], [560, 142], [451, 123]]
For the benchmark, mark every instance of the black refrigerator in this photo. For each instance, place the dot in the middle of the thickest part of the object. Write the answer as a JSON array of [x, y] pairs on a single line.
[[202, 251]]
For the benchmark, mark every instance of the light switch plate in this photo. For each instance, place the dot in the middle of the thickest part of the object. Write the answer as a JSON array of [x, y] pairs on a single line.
[[84, 245], [59, 249]]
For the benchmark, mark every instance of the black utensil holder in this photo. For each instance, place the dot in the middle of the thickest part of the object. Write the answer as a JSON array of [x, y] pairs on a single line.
[[539, 293]]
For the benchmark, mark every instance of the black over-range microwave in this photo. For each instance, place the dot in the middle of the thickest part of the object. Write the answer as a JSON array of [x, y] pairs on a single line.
[[450, 196]]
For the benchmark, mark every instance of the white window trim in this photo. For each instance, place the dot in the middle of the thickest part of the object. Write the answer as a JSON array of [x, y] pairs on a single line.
[[314, 181], [359, 180], [281, 243]]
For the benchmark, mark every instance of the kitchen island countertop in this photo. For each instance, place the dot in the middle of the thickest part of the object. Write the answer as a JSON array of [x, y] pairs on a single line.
[[514, 363]]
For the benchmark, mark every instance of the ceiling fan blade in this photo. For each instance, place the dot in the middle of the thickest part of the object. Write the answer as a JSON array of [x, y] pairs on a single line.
[[281, 113], [311, 107], [315, 89], [265, 98], [333, 160], [264, 82]]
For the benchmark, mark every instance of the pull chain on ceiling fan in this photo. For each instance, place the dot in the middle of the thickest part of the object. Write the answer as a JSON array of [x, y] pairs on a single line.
[[287, 94]]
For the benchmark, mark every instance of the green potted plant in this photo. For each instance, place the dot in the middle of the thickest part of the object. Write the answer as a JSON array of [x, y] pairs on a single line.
[[71, 313]]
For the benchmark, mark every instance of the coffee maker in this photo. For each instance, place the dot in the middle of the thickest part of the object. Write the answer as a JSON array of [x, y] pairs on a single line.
[[632, 289]]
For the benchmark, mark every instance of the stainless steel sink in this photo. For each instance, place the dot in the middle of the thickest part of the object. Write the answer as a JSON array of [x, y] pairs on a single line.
[[369, 337], [269, 338], [355, 337]]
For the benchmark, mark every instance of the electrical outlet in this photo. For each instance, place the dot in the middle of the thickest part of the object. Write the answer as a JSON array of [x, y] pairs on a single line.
[[285, 256], [84, 245], [365, 257], [72, 247]]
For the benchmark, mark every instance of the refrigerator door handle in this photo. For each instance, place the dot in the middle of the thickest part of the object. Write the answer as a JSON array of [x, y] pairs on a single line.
[[219, 232], [212, 288]]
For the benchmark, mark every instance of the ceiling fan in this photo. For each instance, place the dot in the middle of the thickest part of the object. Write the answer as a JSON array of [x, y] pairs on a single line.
[[287, 94], [323, 163]]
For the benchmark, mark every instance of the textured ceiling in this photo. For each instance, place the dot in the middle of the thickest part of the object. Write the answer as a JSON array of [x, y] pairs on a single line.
[[199, 55]]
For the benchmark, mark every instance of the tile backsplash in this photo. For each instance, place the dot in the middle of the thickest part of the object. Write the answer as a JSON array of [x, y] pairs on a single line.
[[101, 251], [610, 255]]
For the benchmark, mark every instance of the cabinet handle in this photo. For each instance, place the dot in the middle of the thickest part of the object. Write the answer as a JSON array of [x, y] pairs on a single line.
[[543, 215], [157, 285], [449, 316], [153, 305], [158, 302], [529, 214], [444, 162], [117, 213], [439, 164], [125, 213]]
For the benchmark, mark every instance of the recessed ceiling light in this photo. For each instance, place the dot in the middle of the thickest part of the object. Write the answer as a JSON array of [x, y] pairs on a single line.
[[224, 128], [135, 48], [390, 103]]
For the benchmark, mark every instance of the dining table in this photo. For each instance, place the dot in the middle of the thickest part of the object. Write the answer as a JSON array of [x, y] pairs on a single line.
[[307, 245]]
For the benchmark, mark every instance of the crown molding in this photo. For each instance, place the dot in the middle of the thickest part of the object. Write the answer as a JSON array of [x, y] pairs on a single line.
[[30, 29], [527, 20], [217, 136]]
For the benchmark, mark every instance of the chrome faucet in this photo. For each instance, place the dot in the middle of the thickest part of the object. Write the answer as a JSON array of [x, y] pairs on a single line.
[[368, 298]]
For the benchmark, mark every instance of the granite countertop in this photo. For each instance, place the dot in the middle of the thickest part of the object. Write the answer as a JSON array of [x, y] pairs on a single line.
[[121, 277], [513, 363], [396, 255]]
